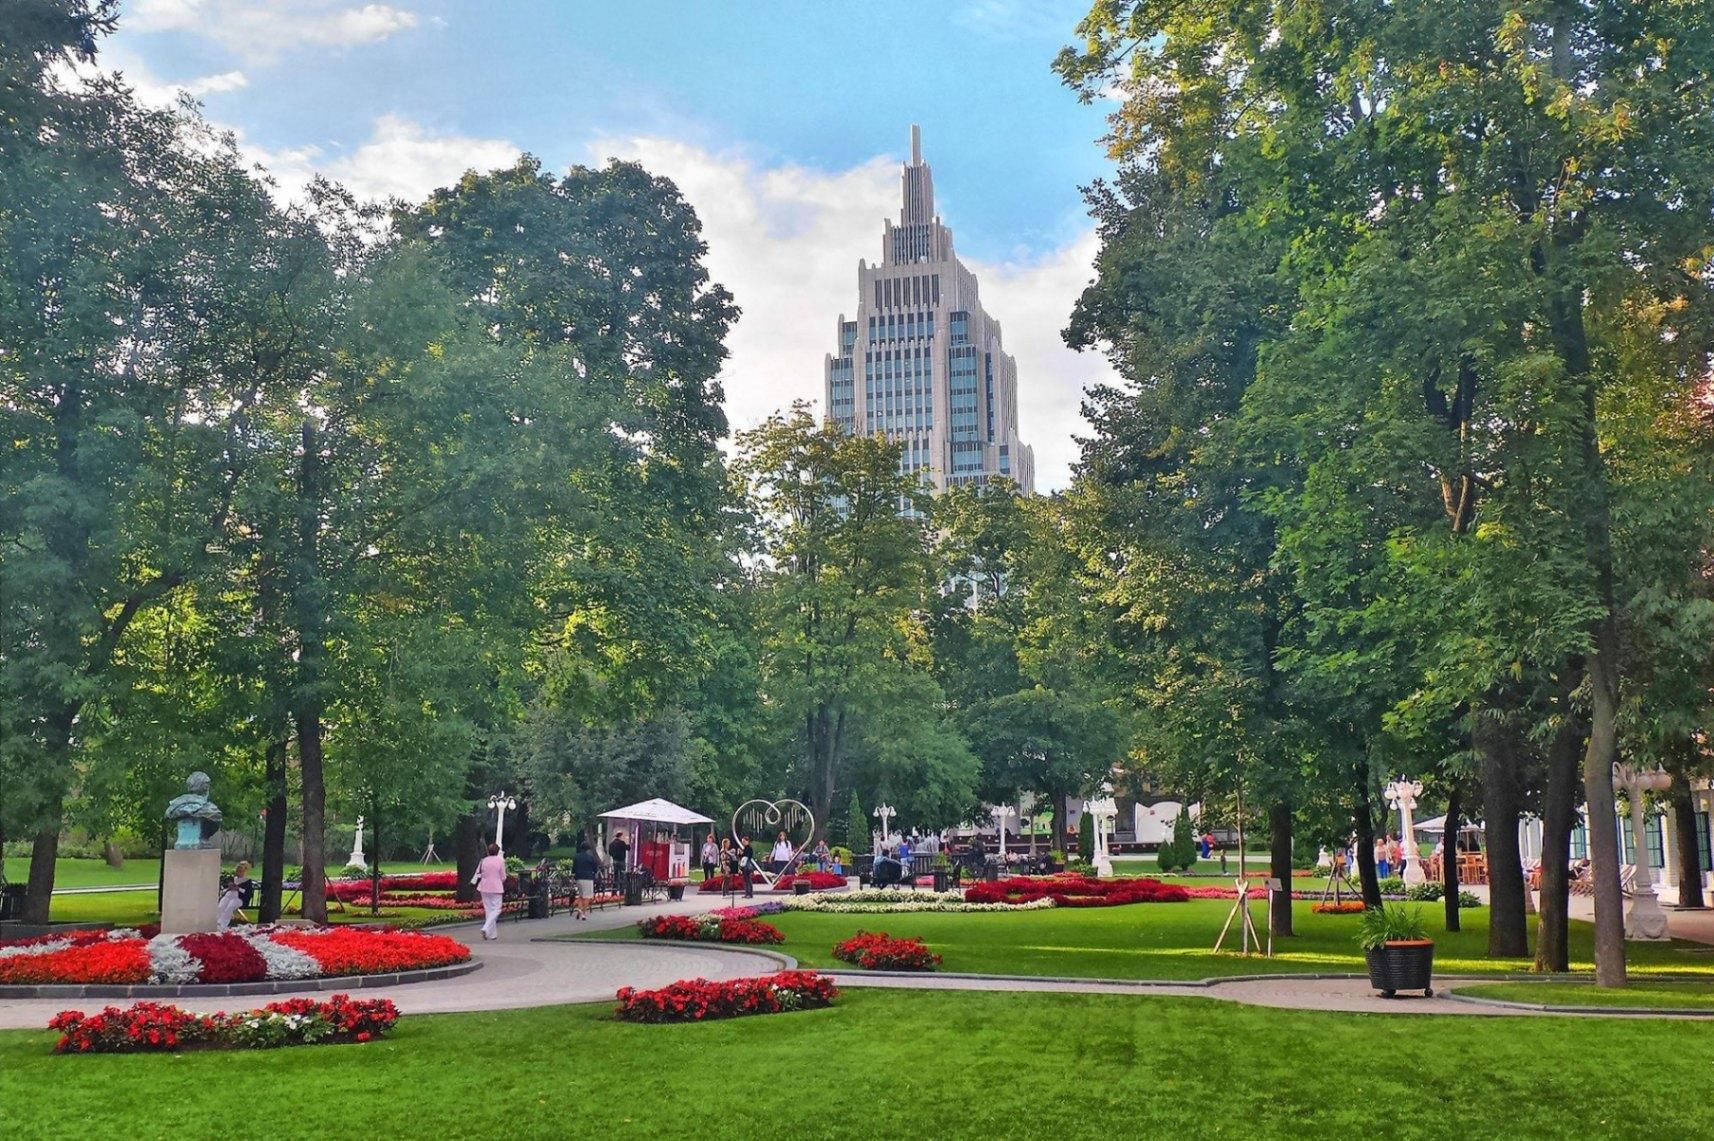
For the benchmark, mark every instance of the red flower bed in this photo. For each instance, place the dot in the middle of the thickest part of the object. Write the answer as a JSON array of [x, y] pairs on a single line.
[[1343, 907], [817, 881], [878, 951], [696, 1000], [1076, 891], [153, 1026], [226, 958], [344, 951], [1232, 893], [723, 883], [710, 929], [355, 890], [93, 960]]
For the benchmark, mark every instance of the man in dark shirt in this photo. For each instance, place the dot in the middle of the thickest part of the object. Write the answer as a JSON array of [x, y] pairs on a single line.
[[747, 863], [618, 849]]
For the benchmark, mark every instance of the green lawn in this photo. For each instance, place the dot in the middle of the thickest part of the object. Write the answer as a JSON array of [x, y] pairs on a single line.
[[1641, 995], [955, 1065], [88, 873], [1172, 941]]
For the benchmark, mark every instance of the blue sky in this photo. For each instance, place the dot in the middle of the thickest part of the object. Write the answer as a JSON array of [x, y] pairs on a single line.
[[782, 122]]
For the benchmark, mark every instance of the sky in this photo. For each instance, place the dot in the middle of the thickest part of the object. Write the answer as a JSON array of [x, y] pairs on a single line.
[[783, 124]]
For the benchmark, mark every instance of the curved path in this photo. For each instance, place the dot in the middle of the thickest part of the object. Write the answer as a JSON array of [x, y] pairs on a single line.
[[527, 967]]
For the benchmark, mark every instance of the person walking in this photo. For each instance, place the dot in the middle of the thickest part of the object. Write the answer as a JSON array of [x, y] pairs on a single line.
[[782, 854], [491, 885], [710, 857], [236, 895], [747, 865], [584, 865]]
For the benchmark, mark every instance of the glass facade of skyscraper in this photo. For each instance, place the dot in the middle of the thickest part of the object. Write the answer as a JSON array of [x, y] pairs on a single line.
[[922, 362]]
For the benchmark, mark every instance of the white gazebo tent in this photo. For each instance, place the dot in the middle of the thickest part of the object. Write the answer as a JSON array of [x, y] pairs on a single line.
[[651, 828]]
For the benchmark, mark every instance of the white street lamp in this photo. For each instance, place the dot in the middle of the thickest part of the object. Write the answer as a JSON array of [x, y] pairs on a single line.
[[1402, 794], [1003, 813], [884, 813], [1646, 920], [500, 802], [1105, 812]]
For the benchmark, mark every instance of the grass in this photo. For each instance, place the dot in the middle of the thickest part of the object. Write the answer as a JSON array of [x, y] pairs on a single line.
[[88, 873], [955, 1065], [1175, 941], [1650, 995]]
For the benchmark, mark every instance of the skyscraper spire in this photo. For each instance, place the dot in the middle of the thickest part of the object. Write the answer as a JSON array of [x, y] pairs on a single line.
[[917, 185], [923, 363]]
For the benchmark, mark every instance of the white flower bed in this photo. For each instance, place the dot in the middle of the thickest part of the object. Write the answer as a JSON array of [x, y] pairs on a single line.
[[283, 962], [171, 963], [878, 901]]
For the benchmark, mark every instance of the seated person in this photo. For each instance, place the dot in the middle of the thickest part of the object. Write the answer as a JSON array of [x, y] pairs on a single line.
[[887, 872]]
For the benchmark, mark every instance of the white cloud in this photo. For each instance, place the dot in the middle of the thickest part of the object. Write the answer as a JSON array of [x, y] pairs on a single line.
[[400, 159], [785, 240], [260, 30]]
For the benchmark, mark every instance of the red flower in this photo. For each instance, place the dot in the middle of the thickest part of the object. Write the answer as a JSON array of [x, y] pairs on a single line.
[[1076, 891], [881, 952]]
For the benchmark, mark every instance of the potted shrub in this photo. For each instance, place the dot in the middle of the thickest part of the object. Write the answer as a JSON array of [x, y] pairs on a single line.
[[1055, 861], [1398, 950]]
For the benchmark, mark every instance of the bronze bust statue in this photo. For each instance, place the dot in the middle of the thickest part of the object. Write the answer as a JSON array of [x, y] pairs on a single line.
[[198, 817]]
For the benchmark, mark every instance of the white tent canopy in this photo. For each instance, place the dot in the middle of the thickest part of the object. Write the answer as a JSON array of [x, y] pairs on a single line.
[[1435, 826], [656, 811]]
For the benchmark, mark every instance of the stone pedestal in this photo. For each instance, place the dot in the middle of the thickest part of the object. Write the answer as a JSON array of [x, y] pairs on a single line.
[[190, 890]]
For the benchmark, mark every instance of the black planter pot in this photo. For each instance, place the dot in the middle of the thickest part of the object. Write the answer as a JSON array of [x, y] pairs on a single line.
[[991, 873], [941, 879], [675, 891], [1402, 966], [799, 887]]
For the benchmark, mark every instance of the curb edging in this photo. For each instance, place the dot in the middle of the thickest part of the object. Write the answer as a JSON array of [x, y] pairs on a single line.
[[235, 990]]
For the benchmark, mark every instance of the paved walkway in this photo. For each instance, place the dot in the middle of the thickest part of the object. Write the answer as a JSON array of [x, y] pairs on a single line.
[[517, 970], [525, 968]]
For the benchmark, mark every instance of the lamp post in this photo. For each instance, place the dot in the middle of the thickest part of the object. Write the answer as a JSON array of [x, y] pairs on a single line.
[[500, 802], [1645, 920], [1402, 794], [1003, 813], [884, 813], [1105, 811]]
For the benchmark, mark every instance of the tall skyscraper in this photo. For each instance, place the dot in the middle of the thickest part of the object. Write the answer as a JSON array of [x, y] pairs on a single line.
[[922, 362]]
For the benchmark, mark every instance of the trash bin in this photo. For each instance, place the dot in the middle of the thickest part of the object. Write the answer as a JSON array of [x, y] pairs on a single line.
[[12, 900], [539, 899], [633, 890]]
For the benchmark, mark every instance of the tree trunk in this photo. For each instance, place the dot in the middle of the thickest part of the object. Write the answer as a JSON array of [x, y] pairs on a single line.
[[1497, 753], [1603, 825], [1689, 852], [1279, 852], [1366, 876], [309, 701], [44, 850], [1061, 814], [273, 834], [112, 855], [315, 816], [1559, 815], [467, 844], [1449, 857]]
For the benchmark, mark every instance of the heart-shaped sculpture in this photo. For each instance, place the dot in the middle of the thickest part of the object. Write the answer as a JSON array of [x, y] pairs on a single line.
[[766, 817]]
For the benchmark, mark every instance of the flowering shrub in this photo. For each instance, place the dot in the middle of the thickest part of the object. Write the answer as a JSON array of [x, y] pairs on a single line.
[[818, 881], [350, 951], [879, 901], [1232, 893], [696, 1000], [1343, 907], [710, 928], [224, 958], [89, 961], [1076, 891], [725, 883], [357, 890], [752, 910], [255, 954], [878, 951], [147, 1026]]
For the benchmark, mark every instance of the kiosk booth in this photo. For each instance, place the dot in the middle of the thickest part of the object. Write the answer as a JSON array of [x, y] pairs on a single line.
[[651, 827]]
